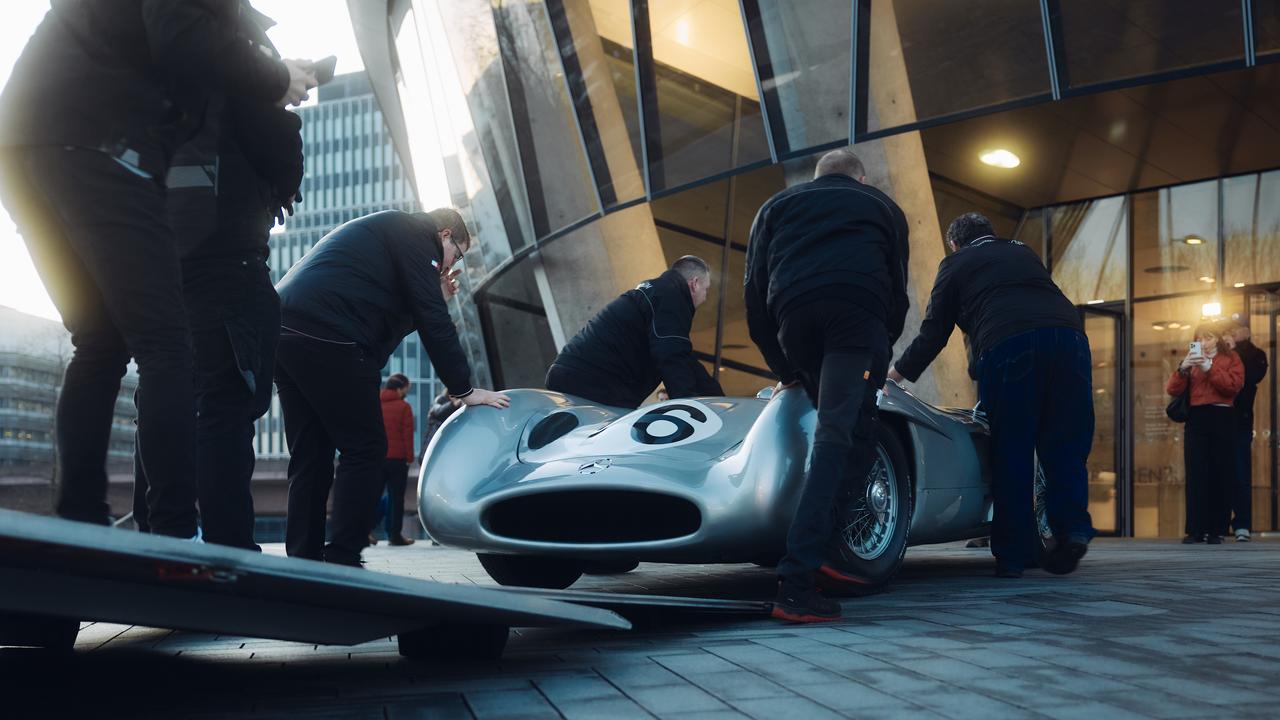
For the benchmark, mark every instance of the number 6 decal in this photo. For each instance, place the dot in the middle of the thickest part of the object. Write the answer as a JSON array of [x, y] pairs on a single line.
[[640, 431]]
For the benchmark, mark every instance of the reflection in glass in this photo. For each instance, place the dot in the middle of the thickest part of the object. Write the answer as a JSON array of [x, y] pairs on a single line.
[[1088, 242], [1031, 231], [1162, 330], [556, 175], [491, 144], [708, 110], [1175, 240], [1101, 331], [932, 58], [518, 335], [1266, 29], [595, 47], [805, 60], [1262, 321], [1251, 223], [1105, 40]]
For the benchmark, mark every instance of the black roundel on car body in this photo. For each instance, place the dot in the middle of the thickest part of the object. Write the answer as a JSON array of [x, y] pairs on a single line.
[[551, 428], [640, 431]]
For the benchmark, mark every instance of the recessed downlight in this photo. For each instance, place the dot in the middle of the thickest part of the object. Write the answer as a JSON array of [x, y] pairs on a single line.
[[1207, 279], [1193, 240], [1000, 157]]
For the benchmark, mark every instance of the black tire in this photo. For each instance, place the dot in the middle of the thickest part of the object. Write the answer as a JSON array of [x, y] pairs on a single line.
[[55, 634], [454, 642], [872, 563], [609, 567], [531, 571]]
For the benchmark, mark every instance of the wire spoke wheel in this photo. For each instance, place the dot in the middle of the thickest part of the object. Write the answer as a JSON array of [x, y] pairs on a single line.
[[871, 516]]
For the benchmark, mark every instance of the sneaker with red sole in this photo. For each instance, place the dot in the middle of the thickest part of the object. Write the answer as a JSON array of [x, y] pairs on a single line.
[[801, 605]]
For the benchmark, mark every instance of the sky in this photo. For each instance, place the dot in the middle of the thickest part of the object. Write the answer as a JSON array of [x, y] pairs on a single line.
[[306, 29]]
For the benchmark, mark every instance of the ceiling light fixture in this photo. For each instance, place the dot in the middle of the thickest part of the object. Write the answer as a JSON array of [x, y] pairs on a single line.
[[1174, 325], [1193, 240], [999, 157], [1207, 279], [1239, 285], [1212, 309], [1095, 302], [1157, 326]]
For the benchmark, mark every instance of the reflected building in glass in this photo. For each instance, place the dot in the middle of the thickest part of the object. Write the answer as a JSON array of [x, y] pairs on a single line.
[[1132, 145]]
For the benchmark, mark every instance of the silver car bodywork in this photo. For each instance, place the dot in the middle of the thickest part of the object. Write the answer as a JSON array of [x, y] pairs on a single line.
[[687, 481]]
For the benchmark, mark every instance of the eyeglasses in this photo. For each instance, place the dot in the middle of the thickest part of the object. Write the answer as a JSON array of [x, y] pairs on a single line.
[[458, 251]]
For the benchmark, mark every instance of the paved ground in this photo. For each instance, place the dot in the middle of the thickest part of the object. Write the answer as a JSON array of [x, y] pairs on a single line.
[[1145, 629]]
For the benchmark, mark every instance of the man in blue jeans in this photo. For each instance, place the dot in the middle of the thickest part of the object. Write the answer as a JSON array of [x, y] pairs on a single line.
[[1034, 376]]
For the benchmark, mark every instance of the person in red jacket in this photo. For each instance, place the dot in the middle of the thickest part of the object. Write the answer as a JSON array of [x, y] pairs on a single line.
[[1215, 374], [397, 416]]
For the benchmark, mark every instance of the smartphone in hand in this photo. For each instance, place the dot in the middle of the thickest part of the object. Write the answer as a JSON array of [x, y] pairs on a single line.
[[1197, 348], [323, 69]]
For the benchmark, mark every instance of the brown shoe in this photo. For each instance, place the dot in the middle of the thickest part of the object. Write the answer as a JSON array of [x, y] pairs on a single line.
[[400, 540]]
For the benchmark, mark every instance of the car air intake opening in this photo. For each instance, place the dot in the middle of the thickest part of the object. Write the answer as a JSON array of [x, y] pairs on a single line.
[[593, 516], [551, 428]]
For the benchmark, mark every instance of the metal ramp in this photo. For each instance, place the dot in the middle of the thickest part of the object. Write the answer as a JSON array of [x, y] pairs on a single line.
[[55, 573]]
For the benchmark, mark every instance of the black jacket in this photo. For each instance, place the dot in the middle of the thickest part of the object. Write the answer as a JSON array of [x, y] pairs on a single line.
[[832, 237], [246, 161], [639, 339], [130, 77], [1255, 368], [372, 281], [993, 289]]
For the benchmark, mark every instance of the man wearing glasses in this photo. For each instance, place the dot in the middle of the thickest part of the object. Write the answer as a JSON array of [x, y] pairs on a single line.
[[345, 307]]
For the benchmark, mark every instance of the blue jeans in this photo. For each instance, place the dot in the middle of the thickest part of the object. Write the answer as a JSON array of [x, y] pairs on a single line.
[[1037, 389]]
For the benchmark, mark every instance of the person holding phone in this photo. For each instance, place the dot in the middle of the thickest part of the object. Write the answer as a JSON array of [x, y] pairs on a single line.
[[101, 97], [1215, 375], [345, 307]]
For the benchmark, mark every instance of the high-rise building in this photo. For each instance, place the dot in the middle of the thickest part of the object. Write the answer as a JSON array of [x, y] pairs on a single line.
[[1133, 145], [352, 170]]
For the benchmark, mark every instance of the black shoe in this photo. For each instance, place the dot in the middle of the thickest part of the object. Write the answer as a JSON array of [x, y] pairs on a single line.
[[1008, 572], [1065, 556], [1192, 539], [400, 541], [338, 557], [803, 605], [1214, 540]]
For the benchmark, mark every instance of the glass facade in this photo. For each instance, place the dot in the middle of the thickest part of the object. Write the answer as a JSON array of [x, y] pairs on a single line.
[[594, 141]]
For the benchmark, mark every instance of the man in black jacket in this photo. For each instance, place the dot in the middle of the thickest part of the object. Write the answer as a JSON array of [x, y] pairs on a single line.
[[1035, 381], [345, 307], [826, 297], [1255, 369], [226, 188], [101, 96], [639, 340]]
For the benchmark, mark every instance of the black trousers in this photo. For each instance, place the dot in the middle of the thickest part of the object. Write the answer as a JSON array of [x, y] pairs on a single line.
[[329, 396], [235, 324], [98, 237], [1242, 500], [842, 356], [395, 477], [1209, 451]]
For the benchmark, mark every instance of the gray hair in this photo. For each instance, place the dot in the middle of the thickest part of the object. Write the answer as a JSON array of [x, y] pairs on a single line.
[[840, 162], [691, 266]]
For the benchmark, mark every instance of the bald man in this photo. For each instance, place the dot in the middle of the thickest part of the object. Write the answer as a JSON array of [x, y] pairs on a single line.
[[826, 297]]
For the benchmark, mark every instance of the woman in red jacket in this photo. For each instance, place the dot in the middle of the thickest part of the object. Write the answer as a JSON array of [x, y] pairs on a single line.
[[397, 417], [1216, 375]]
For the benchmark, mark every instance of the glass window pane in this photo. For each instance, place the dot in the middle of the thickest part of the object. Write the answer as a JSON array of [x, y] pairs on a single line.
[[807, 73], [1161, 331], [1089, 241], [1266, 28], [705, 92], [1251, 221], [1175, 240], [556, 176], [932, 58], [1031, 231], [1106, 40], [1101, 331], [595, 47], [519, 345]]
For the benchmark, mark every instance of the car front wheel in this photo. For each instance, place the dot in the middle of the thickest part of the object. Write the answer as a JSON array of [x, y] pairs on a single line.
[[873, 520], [529, 571]]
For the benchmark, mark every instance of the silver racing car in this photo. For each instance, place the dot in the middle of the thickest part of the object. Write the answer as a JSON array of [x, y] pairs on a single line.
[[556, 486]]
